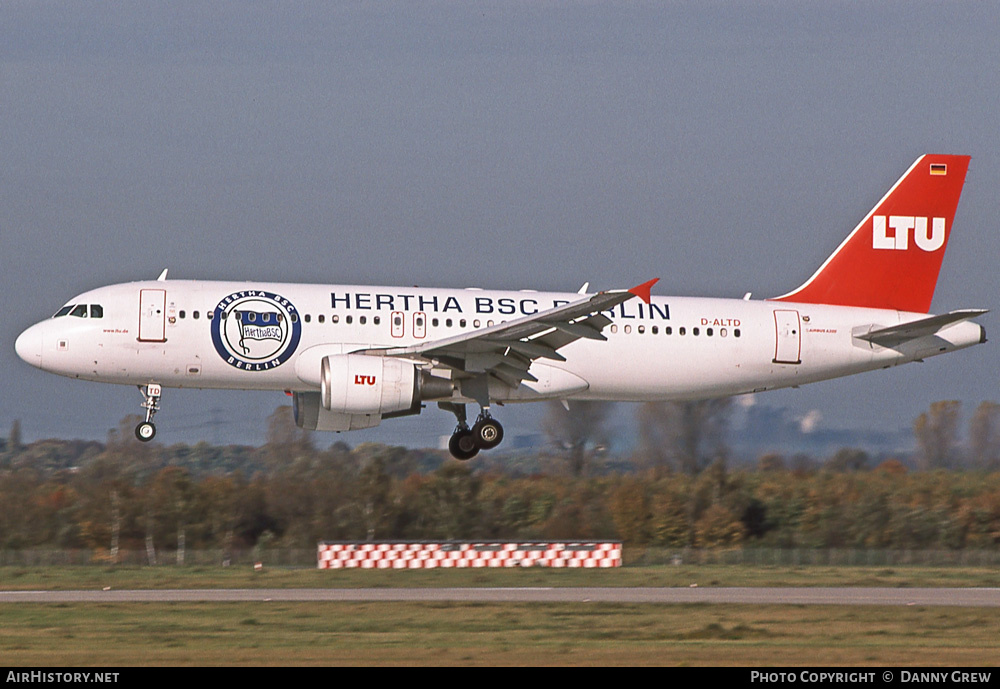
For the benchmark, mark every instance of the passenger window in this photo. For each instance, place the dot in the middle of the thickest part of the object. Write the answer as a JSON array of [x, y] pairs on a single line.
[[335, 318], [362, 320], [321, 318], [181, 313], [376, 320], [308, 317], [195, 315]]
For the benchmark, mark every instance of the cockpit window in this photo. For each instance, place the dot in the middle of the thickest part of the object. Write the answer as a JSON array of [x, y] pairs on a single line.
[[81, 311]]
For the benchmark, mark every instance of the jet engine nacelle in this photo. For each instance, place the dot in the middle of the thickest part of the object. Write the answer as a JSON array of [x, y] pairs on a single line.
[[310, 415], [362, 384], [358, 391]]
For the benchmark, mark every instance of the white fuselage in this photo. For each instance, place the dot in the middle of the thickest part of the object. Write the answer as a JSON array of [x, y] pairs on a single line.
[[672, 348]]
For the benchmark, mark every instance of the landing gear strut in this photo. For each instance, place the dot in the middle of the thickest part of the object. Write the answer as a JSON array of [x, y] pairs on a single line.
[[145, 431], [465, 443]]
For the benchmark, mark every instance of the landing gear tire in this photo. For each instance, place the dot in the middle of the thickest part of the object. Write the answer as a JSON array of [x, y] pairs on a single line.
[[462, 445], [488, 433], [145, 431]]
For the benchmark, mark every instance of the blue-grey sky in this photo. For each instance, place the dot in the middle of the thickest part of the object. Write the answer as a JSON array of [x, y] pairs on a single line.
[[725, 147]]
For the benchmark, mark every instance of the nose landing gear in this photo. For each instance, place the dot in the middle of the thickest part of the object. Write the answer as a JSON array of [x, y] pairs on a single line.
[[145, 431]]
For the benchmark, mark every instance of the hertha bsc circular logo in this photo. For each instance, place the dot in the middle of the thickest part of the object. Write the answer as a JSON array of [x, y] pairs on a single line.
[[255, 330]]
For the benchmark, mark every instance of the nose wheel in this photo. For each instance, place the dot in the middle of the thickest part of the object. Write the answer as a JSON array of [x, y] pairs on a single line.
[[146, 430]]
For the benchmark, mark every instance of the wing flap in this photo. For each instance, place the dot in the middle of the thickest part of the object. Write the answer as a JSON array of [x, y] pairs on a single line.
[[589, 328], [535, 349]]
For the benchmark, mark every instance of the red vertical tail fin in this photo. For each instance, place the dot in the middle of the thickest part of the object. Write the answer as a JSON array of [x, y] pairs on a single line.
[[892, 259]]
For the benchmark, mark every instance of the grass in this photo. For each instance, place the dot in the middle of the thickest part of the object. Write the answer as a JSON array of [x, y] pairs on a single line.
[[487, 634], [166, 577], [444, 633]]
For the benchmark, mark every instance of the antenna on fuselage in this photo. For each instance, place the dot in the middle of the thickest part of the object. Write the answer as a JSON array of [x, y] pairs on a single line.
[[163, 276]]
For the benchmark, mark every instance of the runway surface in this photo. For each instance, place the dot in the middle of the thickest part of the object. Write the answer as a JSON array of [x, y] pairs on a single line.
[[964, 597]]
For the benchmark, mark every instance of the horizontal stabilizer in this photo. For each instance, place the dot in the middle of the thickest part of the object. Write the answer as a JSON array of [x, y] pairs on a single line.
[[896, 334]]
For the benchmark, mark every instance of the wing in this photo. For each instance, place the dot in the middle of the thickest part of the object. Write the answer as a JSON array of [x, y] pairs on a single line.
[[506, 350]]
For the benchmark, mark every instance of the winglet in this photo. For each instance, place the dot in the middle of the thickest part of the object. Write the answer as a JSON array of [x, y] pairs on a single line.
[[642, 291]]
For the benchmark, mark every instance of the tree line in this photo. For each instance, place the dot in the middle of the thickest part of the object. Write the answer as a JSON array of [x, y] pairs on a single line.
[[677, 490]]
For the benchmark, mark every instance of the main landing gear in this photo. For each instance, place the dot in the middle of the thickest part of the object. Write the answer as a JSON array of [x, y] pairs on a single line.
[[465, 442], [151, 403]]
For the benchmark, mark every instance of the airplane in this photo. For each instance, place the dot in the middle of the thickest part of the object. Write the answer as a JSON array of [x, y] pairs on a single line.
[[351, 356]]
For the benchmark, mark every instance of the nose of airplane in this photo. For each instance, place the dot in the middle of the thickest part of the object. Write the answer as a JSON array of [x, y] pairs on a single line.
[[29, 346]]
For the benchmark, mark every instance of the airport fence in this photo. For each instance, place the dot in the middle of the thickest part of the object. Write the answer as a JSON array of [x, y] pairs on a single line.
[[811, 557], [272, 557], [632, 556]]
